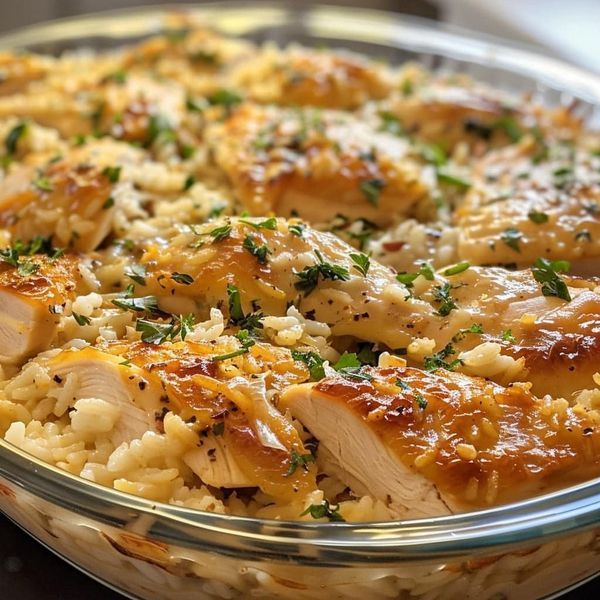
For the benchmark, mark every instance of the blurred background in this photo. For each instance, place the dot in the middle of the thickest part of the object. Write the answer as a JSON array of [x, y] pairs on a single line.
[[568, 29]]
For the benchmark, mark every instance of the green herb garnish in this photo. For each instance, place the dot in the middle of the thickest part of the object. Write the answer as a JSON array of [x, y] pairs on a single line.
[[546, 272], [246, 342], [319, 511], [537, 217], [299, 460], [313, 361], [512, 237], [442, 295], [361, 263], [81, 319], [112, 173], [371, 189], [182, 278], [309, 276], [260, 252], [461, 267]]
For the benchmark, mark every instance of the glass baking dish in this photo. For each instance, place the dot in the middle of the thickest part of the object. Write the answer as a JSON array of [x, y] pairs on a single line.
[[532, 549]]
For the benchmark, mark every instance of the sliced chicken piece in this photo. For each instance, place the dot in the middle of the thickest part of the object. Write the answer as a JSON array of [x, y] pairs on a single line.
[[317, 165], [305, 77], [429, 442], [135, 392], [378, 308], [300, 265], [449, 110], [72, 199], [31, 299], [243, 439], [556, 339], [529, 201], [132, 109]]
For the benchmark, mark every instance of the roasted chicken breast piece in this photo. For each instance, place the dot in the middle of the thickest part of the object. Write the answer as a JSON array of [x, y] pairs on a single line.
[[430, 442], [70, 198], [554, 338], [243, 440], [305, 77], [317, 164], [274, 263], [32, 296], [452, 109], [529, 201]]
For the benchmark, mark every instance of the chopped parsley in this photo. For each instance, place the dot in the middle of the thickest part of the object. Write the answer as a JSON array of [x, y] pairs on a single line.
[[538, 218], [438, 360], [236, 313], [476, 328], [155, 332], [371, 189], [81, 320], [137, 273], [147, 304], [296, 229], [246, 343], [108, 203], [159, 128], [309, 276], [260, 252], [13, 137], [366, 355], [420, 400], [461, 267], [251, 321], [27, 267], [546, 272], [441, 294], [507, 336], [112, 173], [119, 77], [512, 237], [510, 127], [390, 123], [299, 460], [313, 361], [220, 233], [43, 183], [583, 236], [38, 245], [361, 263], [434, 154], [270, 223], [320, 511], [425, 271], [189, 182], [182, 278], [225, 98], [350, 366], [451, 179], [204, 56]]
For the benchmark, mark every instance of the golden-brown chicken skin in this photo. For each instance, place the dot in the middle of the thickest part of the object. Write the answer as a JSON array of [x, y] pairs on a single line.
[[478, 443], [33, 293], [529, 201], [305, 77], [316, 165], [243, 440]]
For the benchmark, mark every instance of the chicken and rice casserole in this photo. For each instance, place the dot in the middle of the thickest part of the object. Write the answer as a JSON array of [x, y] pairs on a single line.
[[295, 283]]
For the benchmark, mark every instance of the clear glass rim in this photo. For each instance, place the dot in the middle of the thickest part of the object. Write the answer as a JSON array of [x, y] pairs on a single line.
[[566, 511]]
